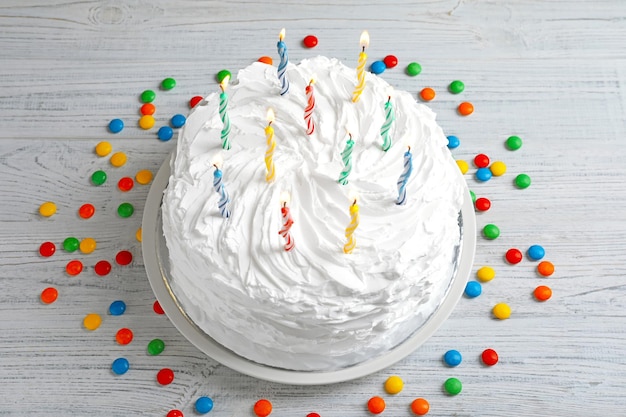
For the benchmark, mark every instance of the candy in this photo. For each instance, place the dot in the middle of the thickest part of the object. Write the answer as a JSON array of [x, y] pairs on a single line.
[[102, 268], [377, 67], [420, 406], [473, 195], [394, 384], [513, 256], [513, 143], [144, 176], [47, 249], [481, 160], [502, 311], [427, 94], [482, 204], [473, 289], [376, 405], [542, 293], [466, 108], [522, 181], [92, 321], [138, 235], [193, 101], [124, 336], [146, 122], [148, 96], [47, 209], [413, 69], [86, 211], [168, 83], [310, 41], [463, 165], [71, 244], [175, 413], [536, 252], [125, 210], [545, 268], [204, 405], [266, 60], [147, 109], [456, 87], [489, 357], [453, 386], [124, 257], [223, 74], [165, 376], [453, 142], [262, 408], [99, 177], [103, 148], [452, 357], [491, 231], [125, 184], [49, 295], [116, 125], [390, 61], [486, 273], [120, 366], [483, 174], [74, 267], [87, 245], [178, 120], [118, 159], [498, 168], [165, 133], [155, 347], [117, 308], [313, 415], [157, 308]]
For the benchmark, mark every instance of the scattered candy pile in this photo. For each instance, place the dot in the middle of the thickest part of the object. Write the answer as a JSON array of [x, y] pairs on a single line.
[[485, 170]]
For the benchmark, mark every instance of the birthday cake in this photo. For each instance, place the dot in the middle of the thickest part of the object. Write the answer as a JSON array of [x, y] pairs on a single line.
[[337, 272]]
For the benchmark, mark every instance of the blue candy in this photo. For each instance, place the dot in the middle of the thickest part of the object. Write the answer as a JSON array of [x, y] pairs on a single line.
[[116, 125], [117, 308], [536, 252], [120, 366], [178, 120], [378, 67], [452, 358], [453, 142], [204, 405], [483, 174], [473, 289], [165, 133]]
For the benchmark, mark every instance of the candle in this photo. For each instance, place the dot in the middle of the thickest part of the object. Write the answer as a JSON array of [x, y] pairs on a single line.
[[287, 222], [360, 69], [346, 156], [282, 66], [224, 114], [308, 111], [404, 177], [271, 145], [220, 189], [354, 222], [386, 127]]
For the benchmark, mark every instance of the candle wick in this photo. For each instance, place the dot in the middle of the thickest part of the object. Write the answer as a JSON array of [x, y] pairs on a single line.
[[284, 204], [363, 50], [409, 146], [388, 99], [354, 204]]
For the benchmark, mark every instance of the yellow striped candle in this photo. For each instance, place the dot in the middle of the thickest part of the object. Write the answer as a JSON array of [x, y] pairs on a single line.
[[354, 223], [271, 145], [360, 69]]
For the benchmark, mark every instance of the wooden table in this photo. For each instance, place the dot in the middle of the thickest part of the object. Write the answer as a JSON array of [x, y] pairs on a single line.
[[552, 72]]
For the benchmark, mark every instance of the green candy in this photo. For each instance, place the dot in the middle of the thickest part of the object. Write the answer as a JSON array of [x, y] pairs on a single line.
[[513, 143], [522, 181], [223, 74], [456, 87], [155, 347], [491, 231], [148, 96], [99, 177], [473, 195], [71, 244], [413, 69], [453, 386], [168, 83], [125, 210]]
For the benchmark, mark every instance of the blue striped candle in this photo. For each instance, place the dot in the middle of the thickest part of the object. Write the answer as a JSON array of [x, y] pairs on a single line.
[[404, 177]]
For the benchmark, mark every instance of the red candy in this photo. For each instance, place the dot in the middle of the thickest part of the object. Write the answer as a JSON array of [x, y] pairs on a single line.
[[125, 184], [147, 109], [49, 295], [310, 41], [482, 204], [103, 268], [124, 257], [86, 211], [489, 357], [194, 101], [74, 267], [262, 408], [124, 336], [47, 249], [313, 415], [390, 61], [481, 160], [165, 376], [175, 413], [513, 256], [157, 308]]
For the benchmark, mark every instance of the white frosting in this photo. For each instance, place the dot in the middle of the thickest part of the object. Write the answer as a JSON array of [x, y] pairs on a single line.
[[314, 308]]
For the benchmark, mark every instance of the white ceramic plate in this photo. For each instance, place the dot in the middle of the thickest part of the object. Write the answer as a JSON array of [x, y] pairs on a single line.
[[156, 260]]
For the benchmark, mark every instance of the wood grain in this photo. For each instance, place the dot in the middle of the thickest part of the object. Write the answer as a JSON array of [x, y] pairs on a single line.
[[553, 73]]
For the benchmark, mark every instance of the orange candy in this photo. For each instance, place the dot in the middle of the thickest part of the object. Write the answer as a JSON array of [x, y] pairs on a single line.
[[124, 336], [266, 60], [427, 94], [542, 293], [420, 406], [263, 408], [148, 109], [545, 268], [74, 267], [376, 405], [49, 295], [466, 108]]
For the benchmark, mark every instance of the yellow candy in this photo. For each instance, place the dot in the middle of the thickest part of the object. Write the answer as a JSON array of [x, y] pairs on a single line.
[[486, 273], [498, 168], [146, 122], [463, 166], [138, 235], [103, 148], [144, 176], [47, 209], [502, 311], [394, 384], [118, 159], [92, 321], [87, 245]]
